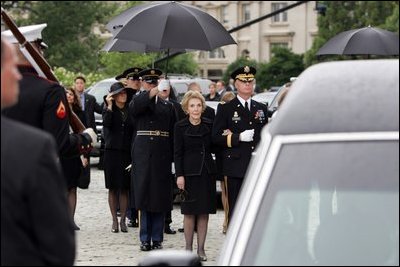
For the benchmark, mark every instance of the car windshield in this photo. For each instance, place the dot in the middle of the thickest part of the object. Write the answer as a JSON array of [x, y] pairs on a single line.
[[100, 89], [265, 98], [342, 210]]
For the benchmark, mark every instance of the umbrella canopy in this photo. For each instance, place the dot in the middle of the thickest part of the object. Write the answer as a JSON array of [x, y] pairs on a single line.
[[168, 25], [364, 41], [118, 45]]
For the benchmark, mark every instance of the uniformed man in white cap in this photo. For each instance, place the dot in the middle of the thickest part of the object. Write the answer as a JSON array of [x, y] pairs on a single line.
[[237, 127], [42, 103]]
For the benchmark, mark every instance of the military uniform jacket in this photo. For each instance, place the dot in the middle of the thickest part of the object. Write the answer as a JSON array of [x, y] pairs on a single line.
[[235, 154], [42, 104], [192, 151], [36, 228], [152, 155]]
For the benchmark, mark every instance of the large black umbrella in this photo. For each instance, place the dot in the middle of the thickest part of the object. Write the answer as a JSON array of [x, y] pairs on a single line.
[[119, 45], [364, 41], [168, 25]]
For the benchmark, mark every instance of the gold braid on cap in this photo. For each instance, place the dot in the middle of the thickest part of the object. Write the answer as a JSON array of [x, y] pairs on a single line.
[[245, 76]]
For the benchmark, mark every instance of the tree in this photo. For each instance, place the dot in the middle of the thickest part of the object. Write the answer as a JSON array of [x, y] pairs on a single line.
[[346, 15], [72, 44], [283, 65]]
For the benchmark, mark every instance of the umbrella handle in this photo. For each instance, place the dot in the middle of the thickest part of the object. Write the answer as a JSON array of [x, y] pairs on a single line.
[[166, 68]]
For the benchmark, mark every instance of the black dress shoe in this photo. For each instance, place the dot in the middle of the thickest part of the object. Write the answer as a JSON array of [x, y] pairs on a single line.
[[145, 246], [181, 230], [168, 230], [157, 245], [133, 224]]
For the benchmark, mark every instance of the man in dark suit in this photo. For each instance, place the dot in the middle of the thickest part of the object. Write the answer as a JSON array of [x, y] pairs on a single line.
[[89, 104], [237, 127], [154, 120], [37, 188], [89, 107]]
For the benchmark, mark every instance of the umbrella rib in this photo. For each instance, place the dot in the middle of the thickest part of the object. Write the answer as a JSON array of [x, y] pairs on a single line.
[[195, 15]]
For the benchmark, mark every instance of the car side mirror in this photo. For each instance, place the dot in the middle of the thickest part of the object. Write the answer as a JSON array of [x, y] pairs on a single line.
[[171, 258]]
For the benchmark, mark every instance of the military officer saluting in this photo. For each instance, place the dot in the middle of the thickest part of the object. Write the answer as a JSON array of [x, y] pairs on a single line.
[[236, 129], [152, 156]]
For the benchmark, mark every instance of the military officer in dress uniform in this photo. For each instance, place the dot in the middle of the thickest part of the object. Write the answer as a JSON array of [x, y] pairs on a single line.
[[130, 78], [42, 103], [236, 130], [152, 156]]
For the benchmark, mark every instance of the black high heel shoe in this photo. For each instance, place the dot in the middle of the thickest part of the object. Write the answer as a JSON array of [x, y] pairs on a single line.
[[114, 228], [123, 227]]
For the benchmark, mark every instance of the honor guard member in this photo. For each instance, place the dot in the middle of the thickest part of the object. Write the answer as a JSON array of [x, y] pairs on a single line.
[[154, 120], [130, 77], [42, 103], [236, 130]]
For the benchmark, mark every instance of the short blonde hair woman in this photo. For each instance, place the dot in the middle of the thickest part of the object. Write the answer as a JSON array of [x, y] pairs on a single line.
[[190, 95]]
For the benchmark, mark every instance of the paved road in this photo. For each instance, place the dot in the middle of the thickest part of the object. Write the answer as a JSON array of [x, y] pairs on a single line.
[[97, 245]]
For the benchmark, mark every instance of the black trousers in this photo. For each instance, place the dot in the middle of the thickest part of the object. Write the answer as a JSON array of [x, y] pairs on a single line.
[[234, 185]]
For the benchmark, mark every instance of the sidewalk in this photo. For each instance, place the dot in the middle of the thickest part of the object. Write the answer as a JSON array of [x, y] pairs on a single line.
[[97, 245]]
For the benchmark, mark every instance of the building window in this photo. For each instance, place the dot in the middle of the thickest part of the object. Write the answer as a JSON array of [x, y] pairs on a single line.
[[217, 53], [245, 13], [273, 45], [214, 74], [224, 14], [246, 54], [281, 17]]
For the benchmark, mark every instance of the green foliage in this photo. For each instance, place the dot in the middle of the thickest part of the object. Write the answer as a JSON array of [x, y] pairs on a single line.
[[347, 15], [115, 62], [283, 65], [67, 77], [72, 44], [183, 64], [240, 62]]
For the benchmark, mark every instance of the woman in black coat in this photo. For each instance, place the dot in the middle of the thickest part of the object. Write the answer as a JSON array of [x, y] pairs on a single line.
[[118, 130], [195, 169], [73, 166]]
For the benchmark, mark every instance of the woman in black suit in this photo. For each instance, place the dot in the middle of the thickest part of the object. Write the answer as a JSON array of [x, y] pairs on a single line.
[[73, 166], [118, 130], [195, 169]]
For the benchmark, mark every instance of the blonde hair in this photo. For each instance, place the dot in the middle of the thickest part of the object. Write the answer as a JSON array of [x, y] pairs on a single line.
[[190, 95]]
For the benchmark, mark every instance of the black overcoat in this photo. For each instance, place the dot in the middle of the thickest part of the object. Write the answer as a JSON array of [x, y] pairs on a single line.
[[233, 116], [152, 156], [192, 151]]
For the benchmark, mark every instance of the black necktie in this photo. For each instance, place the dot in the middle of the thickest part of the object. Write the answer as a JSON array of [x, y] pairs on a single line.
[[246, 106]]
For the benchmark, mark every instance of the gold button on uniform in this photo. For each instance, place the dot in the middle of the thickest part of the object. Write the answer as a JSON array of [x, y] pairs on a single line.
[[250, 123]]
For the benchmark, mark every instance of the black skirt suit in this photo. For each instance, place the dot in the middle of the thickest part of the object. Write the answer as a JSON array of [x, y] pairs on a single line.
[[193, 160], [118, 130]]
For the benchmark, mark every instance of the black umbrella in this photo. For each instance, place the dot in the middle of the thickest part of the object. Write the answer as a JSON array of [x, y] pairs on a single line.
[[364, 41], [118, 45], [168, 25]]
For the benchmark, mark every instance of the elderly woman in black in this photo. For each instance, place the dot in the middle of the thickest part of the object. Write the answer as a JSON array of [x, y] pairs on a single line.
[[195, 169], [118, 130]]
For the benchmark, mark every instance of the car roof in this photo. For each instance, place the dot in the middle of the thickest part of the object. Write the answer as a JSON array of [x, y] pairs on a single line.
[[342, 96]]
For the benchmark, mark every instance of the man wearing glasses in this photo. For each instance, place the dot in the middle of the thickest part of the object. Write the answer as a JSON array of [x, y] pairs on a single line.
[[152, 156], [237, 127]]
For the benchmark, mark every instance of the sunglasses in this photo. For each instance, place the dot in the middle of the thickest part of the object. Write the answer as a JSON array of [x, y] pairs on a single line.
[[183, 196]]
